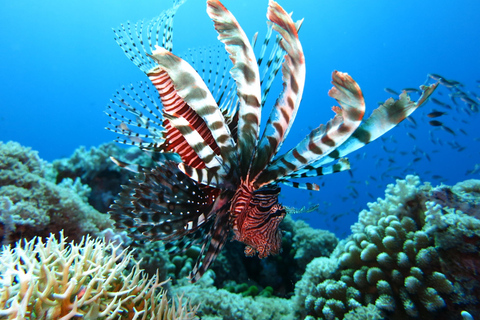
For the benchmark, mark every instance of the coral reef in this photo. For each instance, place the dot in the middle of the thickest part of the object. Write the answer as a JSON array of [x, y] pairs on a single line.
[[32, 204], [409, 257], [96, 170], [220, 304], [300, 244], [60, 280], [412, 255]]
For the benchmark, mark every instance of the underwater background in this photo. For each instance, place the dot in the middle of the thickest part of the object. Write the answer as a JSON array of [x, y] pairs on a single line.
[[59, 67]]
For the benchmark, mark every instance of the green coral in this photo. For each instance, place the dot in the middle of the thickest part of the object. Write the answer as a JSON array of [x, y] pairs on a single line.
[[220, 304], [310, 243], [87, 164], [402, 258], [31, 204], [95, 169]]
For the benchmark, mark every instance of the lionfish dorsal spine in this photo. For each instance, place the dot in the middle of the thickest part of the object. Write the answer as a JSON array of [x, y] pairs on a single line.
[[326, 138], [140, 39], [272, 64], [246, 75], [293, 74], [137, 113]]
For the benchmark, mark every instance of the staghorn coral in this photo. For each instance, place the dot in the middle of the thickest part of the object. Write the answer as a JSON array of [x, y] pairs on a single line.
[[31, 204], [410, 257], [60, 280]]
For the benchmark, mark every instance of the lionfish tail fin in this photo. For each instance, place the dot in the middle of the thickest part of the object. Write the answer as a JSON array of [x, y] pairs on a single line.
[[140, 39]]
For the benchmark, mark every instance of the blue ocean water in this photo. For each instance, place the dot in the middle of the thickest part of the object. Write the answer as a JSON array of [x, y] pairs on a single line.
[[60, 66]]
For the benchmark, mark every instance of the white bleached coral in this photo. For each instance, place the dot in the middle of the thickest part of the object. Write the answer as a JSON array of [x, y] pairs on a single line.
[[60, 280]]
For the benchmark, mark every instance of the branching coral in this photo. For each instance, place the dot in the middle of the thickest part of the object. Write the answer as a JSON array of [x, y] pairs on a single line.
[[60, 280]]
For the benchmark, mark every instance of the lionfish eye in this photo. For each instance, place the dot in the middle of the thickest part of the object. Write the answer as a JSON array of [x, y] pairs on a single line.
[[278, 213]]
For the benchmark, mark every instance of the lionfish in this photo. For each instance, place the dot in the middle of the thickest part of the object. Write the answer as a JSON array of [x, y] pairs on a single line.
[[214, 172]]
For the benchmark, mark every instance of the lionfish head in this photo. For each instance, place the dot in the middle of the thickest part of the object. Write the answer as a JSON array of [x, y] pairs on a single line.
[[256, 221]]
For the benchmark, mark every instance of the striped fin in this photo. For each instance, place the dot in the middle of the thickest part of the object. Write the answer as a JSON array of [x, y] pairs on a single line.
[[382, 119], [184, 94], [301, 185], [216, 76], [196, 142], [136, 114], [140, 39], [246, 75], [162, 204], [274, 62], [208, 177], [325, 139], [272, 66], [293, 70], [309, 171], [215, 238]]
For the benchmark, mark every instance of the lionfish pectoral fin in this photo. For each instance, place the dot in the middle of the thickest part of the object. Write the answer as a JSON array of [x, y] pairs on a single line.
[[323, 141], [382, 119], [293, 75], [195, 238], [162, 204], [214, 240], [246, 75], [185, 95]]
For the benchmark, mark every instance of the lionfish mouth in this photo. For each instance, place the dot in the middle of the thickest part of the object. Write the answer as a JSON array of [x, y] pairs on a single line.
[[200, 120]]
